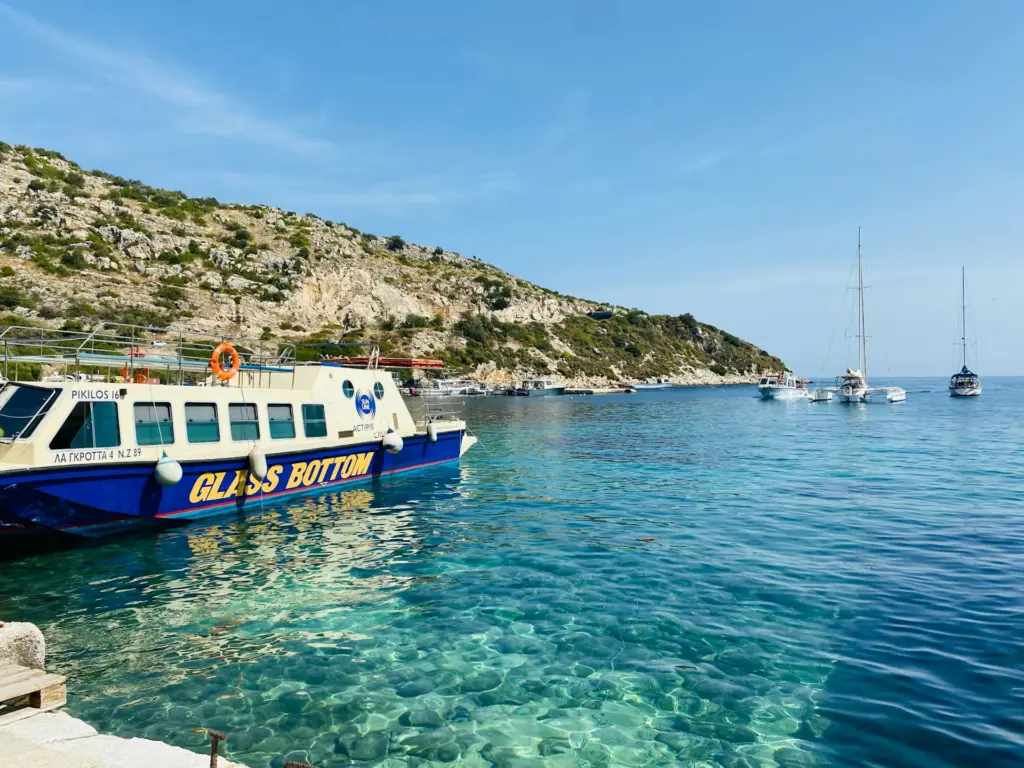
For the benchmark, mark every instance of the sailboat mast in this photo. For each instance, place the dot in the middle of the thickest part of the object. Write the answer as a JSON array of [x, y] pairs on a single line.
[[963, 312], [860, 314]]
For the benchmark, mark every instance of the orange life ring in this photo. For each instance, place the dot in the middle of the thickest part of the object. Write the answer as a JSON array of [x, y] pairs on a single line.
[[221, 373]]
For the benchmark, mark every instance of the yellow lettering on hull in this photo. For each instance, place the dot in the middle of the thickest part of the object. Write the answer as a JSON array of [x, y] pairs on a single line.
[[312, 469], [350, 461], [295, 479], [362, 465], [216, 486], [237, 485], [202, 487], [273, 477], [215, 493]]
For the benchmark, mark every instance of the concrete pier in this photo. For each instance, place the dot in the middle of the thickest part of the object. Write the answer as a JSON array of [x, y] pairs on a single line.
[[57, 740], [599, 390], [31, 737]]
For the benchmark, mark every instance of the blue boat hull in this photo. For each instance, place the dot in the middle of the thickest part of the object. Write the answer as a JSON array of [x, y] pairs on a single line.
[[96, 500]]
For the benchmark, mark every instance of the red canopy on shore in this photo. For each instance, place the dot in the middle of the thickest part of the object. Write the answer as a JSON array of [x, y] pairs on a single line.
[[390, 362]]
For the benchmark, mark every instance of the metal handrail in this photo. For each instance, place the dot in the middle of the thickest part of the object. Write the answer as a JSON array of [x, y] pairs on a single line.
[[426, 412], [104, 346]]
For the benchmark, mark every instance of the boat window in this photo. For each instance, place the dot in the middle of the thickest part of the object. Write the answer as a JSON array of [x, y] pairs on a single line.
[[282, 425], [378, 390], [244, 422], [201, 423], [347, 388], [23, 409], [153, 425], [89, 425], [314, 422]]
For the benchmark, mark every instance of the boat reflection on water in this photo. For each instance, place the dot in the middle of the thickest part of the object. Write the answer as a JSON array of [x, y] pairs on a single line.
[[235, 592]]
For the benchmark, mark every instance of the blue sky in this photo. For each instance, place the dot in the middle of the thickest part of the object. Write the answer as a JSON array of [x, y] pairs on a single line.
[[714, 158]]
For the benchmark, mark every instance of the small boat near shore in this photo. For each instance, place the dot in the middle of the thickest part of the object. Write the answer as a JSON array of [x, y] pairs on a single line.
[[782, 386], [469, 388], [661, 382], [217, 434], [537, 388], [600, 390]]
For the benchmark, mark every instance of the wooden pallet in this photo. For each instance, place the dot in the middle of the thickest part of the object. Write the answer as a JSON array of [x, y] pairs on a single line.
[[45, 691]]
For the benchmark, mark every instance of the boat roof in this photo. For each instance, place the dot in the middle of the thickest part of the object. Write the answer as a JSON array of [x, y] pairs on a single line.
[[142, 349]]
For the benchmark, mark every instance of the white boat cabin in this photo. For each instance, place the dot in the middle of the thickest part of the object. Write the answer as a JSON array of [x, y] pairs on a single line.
[[270, 401], [309, 407]]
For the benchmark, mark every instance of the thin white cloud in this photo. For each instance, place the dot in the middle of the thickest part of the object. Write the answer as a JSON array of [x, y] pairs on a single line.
[[204, 110], [391, 196], [10, 84]]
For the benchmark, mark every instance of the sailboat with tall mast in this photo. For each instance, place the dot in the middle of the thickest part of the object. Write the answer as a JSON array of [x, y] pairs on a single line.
[[964, 383], [852, 386]]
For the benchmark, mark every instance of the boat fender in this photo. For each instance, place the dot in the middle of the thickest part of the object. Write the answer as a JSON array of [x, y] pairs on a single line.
[[432, 432], [392, 442], [167, 471], [258, 463]]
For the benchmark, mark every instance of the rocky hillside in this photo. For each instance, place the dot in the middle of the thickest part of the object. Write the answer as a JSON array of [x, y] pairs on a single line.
[[81, 247]]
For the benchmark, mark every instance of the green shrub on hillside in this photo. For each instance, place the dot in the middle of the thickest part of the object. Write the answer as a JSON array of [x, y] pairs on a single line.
[[74, 259], [169, 292], [12, 296], [497, 293], [415, 321], [394, 243], [299, 240]]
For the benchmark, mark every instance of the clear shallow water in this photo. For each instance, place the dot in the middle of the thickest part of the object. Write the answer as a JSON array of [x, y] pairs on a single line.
[[826, 585]]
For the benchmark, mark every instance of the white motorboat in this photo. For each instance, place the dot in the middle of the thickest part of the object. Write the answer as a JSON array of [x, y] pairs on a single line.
[[468, 388], [660, 382], [782, 386], [538, 388], [964, 383]]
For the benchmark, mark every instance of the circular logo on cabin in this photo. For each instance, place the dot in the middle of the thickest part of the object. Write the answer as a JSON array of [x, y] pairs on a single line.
[[366, 407]]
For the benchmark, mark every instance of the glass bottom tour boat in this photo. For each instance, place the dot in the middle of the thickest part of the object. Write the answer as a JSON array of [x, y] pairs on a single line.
[[215, 434]]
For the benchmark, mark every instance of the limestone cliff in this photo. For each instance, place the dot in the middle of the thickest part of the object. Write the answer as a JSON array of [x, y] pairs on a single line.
[[84, 247]]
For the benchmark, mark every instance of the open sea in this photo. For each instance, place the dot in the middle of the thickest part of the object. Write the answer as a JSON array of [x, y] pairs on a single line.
[[685, 577]]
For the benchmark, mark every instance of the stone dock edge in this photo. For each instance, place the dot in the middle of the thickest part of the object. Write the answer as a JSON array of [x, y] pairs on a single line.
[[58, 740]]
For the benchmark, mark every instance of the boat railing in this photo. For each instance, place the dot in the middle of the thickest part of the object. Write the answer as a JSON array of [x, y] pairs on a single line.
[[133, 349], [424, 411]]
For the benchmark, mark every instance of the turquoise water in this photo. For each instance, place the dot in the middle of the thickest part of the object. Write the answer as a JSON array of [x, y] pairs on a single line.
[[690, 577]]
